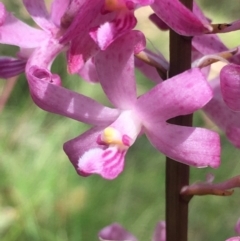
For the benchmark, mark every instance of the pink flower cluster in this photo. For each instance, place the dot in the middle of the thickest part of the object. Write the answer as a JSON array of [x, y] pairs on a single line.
[[101, 45]]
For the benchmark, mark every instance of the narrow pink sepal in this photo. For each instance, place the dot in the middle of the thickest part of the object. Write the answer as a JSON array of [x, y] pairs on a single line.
[[115, 68], [106, 162], [180, 95], [179, 18], [38, 11], [115, 232], [48, 95], [230, 86], [197, 147], [58, 8], [15, 32], [208, 44]]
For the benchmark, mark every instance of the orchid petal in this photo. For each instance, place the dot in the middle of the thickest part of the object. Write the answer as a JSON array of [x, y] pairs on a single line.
[[86, 15], [179, 18], [58, 8], [230, 86], [81, 50], [10, 67], [115, 232], [208, 44], [199, 14], [15, 32], [160, 232], [192, 146], [180, 95], [108, 163], [59, 100], [76, 147], [224, 117], [38, 11], [109, 31], [88, 72], [45, 54], [115, 68]]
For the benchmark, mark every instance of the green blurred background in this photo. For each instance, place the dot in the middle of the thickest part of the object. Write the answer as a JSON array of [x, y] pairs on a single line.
[[43, 199]]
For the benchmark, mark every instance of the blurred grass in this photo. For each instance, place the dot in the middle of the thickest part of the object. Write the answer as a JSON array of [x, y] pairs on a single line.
[[43, 199]]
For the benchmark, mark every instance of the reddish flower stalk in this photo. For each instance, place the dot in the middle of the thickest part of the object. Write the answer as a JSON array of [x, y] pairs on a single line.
[[177, 174]]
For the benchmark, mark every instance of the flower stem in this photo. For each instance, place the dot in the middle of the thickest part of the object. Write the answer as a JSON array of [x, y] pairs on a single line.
[[177, 174]]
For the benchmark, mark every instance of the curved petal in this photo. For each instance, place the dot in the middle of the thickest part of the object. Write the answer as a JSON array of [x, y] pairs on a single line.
[[179, 18], [115, 68], [208, 44], [180, 95], [230, 86], [56, 99], [160, 232], [45, 54], [38, 11], [105, 34], [15, 32], [58, 8], [76, 147], [192, 146], [10, 67], [115, 232]]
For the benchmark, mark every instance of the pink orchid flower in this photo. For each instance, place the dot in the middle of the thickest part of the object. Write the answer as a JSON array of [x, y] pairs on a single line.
[[102, 149], [103, 22], [115, 232]]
